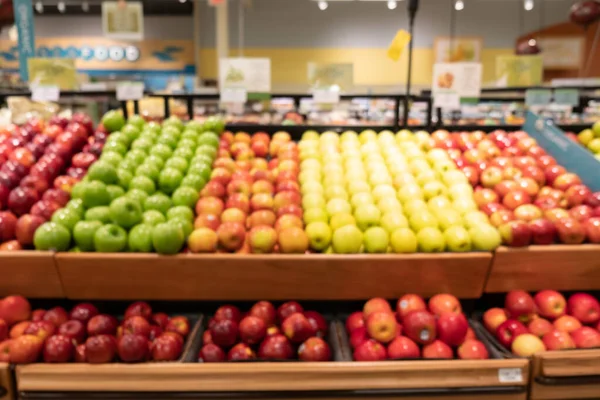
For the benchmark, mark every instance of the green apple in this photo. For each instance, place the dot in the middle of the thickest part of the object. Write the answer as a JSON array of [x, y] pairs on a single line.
[[118, 137], [142, 143], [338, 206], [161, 150], [184, 152], [485, 237], [131, 131], [136, 120], [185, 144], [185, 196], [433, 189], [103, 171], [169, 180], [208, 138], [167, 238], [117, 147], [313, 200], [153, 217], [113, 121], [193, 180], [83, 234], [159, 202], [178, 163], [347, 240], [78, 189], [190, 134], [95, 194], [202, 168], [140, 239], [111, 157], [194, 125], [136, 156], [143, 183], [457, 239], [206, 149], [376, 240], [182, 212], [148, 170], [392, 221], [124, 176], [99, 213], [403, 240], [431, 240], [114, 191], [125, 212], [76, 205], [110, 238], [448, 217], [202, 157], [315, 215], [421, 220], [367, 216], [155, 161], [52, 236], [185, 224], [138, 195], [319, 235], [168, 140], [173, 122]]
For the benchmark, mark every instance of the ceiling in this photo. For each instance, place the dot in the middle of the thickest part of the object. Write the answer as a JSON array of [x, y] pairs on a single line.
[[93, 7]]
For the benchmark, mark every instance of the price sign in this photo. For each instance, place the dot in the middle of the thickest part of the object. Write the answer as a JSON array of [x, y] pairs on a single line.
[[447, 101], [234, 95], [538, 97], [45, 93], [510, 375], [566, 97], [130, 91], [326, 96]]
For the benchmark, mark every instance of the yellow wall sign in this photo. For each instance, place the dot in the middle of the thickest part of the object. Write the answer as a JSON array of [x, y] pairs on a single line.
[[60, 72], [96, 53], [519, 70]]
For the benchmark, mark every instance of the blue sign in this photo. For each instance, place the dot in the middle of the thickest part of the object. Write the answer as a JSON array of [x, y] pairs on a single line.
[[24, 21], [574, 157]]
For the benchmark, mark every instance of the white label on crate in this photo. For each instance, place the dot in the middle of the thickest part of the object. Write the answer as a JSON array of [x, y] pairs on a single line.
[[234, 95], [326, 96], [45, 93], [130, 91], [510, 375]]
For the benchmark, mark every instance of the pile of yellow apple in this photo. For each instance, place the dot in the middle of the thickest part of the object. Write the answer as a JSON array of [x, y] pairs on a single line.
[[387, 193]]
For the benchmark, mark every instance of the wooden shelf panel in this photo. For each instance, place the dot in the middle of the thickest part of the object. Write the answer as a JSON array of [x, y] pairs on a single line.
[[559, 267], [570, 363], [267, 376], [29, 273], [274, 277], [6, 382]]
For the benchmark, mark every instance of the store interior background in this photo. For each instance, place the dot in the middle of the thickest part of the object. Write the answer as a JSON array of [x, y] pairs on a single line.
[[293, 33]]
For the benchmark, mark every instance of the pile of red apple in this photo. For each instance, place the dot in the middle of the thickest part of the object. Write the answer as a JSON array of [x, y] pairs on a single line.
[[265, 333], [83, 335], [416, 330], [524, 192], [251, 205], [527, 325], [32, 157]]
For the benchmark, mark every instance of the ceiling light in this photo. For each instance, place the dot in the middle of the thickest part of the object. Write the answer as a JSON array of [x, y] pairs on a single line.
[[85, 6], [39, 7], [459, 5], [323, 5], [182, 1], [392, 4], [61, 6], [528, 5], [532, 42]]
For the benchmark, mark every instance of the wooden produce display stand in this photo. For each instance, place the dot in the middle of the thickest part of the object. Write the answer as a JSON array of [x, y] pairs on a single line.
[[458, 379], [558, 267], [31, 274], [566, 375], [275, 277], [7, 389]]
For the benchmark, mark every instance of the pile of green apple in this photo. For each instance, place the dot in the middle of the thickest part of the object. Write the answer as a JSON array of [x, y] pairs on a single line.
[[386, 192], [590, 138], [140, 194]]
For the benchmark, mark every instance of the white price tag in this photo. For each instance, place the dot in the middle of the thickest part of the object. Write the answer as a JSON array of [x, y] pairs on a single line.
[[510, 375], [45, 93], [93, 86], [446, 101], [130, 91], [325, 96], [234, 95]]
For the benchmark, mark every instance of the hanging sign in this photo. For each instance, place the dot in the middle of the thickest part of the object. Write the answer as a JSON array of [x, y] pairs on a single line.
[[398, 44], [23, 10], [123, 20]]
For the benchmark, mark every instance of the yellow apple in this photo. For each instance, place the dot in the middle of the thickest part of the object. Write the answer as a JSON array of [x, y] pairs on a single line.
[[392, 221], [337, 206], [403, 240], [342, 219]]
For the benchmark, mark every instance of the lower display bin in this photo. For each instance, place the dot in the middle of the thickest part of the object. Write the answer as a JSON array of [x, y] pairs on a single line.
[[558, 375]]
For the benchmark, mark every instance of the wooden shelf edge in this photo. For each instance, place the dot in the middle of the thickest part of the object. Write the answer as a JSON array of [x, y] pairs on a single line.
[[266, 376], [30, 273], [569, 363]]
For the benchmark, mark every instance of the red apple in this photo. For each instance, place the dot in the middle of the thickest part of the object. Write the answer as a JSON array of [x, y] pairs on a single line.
[[275, 347], [586, 338], [558, 340], [452, 328], [419, 325], [570, 231], [509, 330], [437, 350], [314, 349], [472, 349], [493, 318], [403, 348], [584, 307], [58, 349], [550, 304], [211, 353], [442, 303], [370, 350]]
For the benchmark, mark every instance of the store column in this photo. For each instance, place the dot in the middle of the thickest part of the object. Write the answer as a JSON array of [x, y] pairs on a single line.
[[222, 34]]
